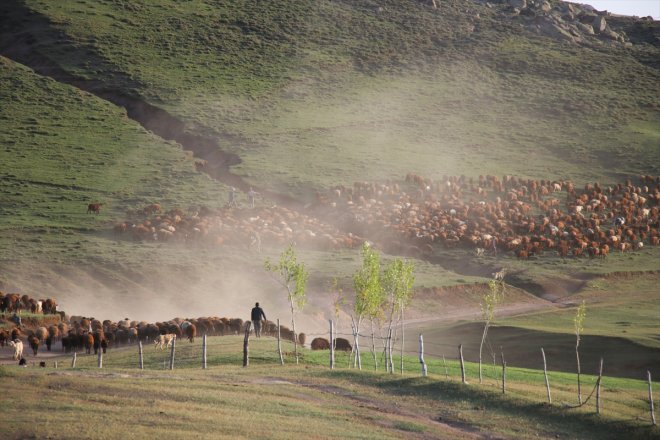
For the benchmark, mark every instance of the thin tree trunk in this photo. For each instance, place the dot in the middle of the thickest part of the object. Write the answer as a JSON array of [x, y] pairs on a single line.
[[481, 346], [445, 364], [373, 346], [390, 340], [293, 326], [577, 355], [332, 345], [402, 339], [279, 342]]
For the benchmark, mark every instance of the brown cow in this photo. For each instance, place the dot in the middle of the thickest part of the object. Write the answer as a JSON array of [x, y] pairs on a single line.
[[94, 208], [88, 342], [343, 344], [320, 344], [191, 332], [34, 344]]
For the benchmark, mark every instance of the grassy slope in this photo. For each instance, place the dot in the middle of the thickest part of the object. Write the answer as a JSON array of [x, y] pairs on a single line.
[[264, 401], [63, 148], [331, 92]]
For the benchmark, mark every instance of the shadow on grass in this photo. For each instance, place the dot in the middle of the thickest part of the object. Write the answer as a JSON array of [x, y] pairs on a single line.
[[541, 417]]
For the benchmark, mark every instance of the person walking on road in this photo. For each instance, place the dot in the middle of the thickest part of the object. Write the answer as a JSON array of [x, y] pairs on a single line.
[[257, 314]]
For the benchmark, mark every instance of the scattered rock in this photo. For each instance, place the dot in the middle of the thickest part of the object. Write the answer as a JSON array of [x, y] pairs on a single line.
[[520, 4], [609, 33], [599, 24], [586, 18], [585, 28], [545, 7], [552, 30]]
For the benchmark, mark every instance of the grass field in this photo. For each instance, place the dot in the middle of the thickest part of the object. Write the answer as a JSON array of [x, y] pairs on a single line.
[[308, 400]]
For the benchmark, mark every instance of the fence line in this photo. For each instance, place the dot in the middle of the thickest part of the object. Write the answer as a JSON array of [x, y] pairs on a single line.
[[264, 353]]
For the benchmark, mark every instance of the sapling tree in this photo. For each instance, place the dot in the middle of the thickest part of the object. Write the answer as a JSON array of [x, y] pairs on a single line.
[[368, 293], [338, 302], [293, 277], [489, 303], [578, 323], [398, 280]]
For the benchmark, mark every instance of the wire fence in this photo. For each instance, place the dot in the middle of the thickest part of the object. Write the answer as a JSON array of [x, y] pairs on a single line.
[[631, 401]]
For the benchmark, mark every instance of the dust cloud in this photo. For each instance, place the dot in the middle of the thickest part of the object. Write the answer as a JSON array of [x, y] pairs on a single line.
[[160, 294]]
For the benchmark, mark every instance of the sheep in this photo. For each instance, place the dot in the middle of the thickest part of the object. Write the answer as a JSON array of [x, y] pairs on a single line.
[[164, 341], [499, 276], [18, 349]]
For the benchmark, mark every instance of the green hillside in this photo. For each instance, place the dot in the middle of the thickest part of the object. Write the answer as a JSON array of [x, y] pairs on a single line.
[[294, 97], [312, 94]]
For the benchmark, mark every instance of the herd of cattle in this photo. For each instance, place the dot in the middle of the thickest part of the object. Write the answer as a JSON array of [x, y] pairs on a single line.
[[82, 334], [14, 302], [413, 217], [488, 214], [252, 227]]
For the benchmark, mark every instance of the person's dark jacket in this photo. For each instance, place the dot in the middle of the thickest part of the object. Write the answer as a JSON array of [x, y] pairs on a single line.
[[258, 314]]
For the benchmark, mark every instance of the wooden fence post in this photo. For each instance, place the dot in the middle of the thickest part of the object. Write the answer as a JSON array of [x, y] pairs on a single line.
[[56, 365], [503, 374], [100, 359], [600, 377], [648, 374], [73, 360], [421, 355], [172, 351], [140, 356], [445, 364], [279, 343], [246, 344], [332, 344], [460, 352], [545, 373], [204, 352]]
